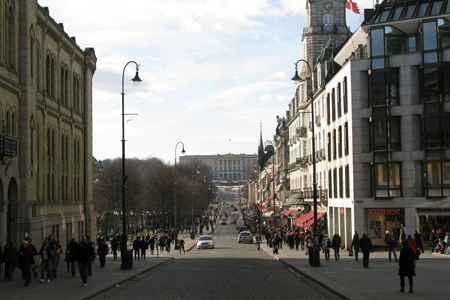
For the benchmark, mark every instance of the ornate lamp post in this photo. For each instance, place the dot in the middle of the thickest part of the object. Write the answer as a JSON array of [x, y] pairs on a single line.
[[297, 79], [175, 194], [123, 250]]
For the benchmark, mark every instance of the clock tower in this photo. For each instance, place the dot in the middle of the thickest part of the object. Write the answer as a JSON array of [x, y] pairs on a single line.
[[325, 19]]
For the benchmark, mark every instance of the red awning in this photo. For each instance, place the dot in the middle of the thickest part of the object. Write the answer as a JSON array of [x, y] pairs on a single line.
[[305, 217], [289, 212], [312, 221], [259, 207], [273, 196]]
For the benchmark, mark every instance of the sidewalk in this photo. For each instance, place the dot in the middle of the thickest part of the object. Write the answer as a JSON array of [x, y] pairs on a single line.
[[67, 287], [348, 278]]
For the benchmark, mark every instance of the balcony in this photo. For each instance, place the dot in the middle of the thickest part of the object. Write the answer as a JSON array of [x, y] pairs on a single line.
[[8, 146], [300, 131]]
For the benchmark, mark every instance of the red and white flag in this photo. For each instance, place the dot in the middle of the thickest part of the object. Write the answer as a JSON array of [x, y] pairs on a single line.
[[352, 6]]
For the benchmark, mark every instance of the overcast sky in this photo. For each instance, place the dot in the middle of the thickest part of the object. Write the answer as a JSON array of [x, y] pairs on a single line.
[[211, 70]]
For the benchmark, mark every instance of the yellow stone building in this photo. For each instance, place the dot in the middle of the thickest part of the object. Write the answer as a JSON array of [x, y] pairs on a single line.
[[46, 127]]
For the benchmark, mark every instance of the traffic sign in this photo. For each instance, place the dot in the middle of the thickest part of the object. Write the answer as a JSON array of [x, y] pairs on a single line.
[[156, 225], [195, 211], [274, 221]]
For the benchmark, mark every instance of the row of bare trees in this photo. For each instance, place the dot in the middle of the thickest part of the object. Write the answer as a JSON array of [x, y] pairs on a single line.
[[150, 194]]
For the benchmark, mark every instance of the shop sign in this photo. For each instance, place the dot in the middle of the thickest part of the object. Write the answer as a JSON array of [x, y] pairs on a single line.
[[384, 211]]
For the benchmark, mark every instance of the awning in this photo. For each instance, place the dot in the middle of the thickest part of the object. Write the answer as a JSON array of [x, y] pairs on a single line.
[[259, 207], [273, 196], [290, 212], [312, 221], [295, 199], [305, 217]]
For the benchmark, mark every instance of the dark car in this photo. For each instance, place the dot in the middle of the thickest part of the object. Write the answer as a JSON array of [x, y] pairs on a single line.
[[242, 228]]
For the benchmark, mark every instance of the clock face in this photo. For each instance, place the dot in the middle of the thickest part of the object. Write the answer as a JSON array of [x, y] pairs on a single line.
[[328, 6]]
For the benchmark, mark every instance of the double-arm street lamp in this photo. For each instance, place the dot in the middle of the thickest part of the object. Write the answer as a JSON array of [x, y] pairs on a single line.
[[123, 251], [175, 194], [297, 79], [192, 228]]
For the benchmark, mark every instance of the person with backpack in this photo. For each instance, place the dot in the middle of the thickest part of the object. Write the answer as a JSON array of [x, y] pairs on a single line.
[[327, 245], [336, 245], [46, 262]]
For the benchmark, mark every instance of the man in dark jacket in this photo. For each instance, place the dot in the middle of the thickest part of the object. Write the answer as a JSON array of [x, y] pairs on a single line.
[[114, 244], [26, 261], [144, 246], [418, 240], [85, 254], [433, 236], [136, 247], [366, 247], [71, 256], [102, 251], [10, 259]]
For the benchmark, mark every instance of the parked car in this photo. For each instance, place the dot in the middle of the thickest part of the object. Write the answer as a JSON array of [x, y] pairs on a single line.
[[205, 242], [245, 237], [223, 222]]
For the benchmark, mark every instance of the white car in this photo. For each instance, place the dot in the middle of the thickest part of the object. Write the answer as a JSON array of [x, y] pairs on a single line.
[[245, 237], [205, 242]]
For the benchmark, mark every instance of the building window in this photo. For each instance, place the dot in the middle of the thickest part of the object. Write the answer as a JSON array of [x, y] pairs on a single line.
[[435, 127], [340, 141], [338, 91], [434, 84], [383, 88], [341, 183], [437, 178], [330, 184], [347, 181], [385, 132], [345, 95], [387, 180], [329, 146], [334, 144], [346, 151], [328, 109], [335, 184], [333, 105]]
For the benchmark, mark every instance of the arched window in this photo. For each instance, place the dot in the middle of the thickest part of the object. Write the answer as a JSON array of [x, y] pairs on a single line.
[[10, 36], [52, 78], [328, 19], [13, 123], [49, 143], [8, 123], [48, 76], [61, 87]]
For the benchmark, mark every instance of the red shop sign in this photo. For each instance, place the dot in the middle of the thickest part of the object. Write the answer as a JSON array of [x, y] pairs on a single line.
[[384, 211]]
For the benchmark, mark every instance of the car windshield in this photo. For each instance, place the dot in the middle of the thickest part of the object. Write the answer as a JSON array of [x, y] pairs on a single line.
[[245, 234], [205, 238]]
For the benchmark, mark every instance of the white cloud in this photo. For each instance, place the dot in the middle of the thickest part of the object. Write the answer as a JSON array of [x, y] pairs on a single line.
[[265, 99]]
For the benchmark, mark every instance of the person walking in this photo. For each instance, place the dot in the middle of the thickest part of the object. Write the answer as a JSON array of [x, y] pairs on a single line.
[[85, 255], [136, 247], [392, 244], [181, 242], [418, 240], [10, 258], [336, 245], [407, 266], [114, 244], [366, 247], [144, 246], [168, 242], [386, 240], [26, 261], [310, 247], [152, 242], [102, 251], [297, 239], [46, 262], [327, 245], [71, 256], [355, 245], [433, 236], [258, 241]]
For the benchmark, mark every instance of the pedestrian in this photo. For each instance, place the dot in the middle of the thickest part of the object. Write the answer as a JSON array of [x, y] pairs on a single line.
[[162, 243], [168, 242], [144, 246], [46, 261], [10, 258], [386, 240], [407, 266], [297, 239], [327, 245], [302, 241], [181, 243], [355, 245], [152, 242], [114, 244], [402, 235], [93, 251], [366, 247], [336, 245], [418, 240], [85, 256], [102, 251], [136, 247], [275, 244], [392, 244], [26, 261], [310, 252], [433, 236], [258, 241], [56, 251], [71, 256]]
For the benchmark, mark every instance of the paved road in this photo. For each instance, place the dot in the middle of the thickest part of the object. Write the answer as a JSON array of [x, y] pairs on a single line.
[[230, 271]]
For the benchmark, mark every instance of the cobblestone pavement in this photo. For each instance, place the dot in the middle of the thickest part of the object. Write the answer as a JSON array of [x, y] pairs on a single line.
[[230, 271]]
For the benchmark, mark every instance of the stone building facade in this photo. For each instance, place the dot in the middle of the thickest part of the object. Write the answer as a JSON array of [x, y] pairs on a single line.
[[46, 127]]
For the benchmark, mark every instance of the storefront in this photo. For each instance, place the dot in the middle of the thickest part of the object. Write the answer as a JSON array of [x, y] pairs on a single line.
[[380, 220], [431, 219]]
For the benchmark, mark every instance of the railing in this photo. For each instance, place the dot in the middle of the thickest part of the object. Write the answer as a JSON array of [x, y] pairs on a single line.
[[8, 145]]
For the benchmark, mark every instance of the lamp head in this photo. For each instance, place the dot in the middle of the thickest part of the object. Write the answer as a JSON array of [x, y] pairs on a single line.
[[136, 80], [183, 151], [296, 79]]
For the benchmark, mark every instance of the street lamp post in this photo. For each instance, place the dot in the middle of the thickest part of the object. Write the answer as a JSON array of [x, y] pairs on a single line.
[[123, 250], [175, 194], [192, 228], [297, 79]]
